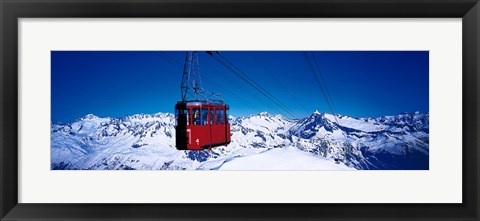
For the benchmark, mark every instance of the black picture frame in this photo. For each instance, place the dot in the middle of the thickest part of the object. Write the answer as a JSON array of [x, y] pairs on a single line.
[[12, 10]]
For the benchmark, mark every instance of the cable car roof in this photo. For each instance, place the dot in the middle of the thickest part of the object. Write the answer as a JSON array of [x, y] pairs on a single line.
[[201, 103]]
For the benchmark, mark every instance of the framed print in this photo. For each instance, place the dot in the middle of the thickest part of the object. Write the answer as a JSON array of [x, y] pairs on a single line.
[[286, 110]]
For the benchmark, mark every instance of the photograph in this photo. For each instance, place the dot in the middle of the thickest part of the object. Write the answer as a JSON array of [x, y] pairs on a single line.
[[239, 110]]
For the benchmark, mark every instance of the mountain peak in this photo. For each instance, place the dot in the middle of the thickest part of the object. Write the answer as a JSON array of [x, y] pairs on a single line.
[[90, 116], [264, 113], [316, 112]]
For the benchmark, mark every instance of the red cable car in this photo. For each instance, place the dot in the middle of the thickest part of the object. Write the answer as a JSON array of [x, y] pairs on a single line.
[[200, 123]]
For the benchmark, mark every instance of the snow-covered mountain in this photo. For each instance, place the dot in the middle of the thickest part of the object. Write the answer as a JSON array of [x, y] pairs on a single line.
[[391, 142], [262, 141]]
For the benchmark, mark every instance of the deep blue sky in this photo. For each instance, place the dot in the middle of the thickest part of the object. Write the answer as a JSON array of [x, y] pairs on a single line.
[[119, 83]]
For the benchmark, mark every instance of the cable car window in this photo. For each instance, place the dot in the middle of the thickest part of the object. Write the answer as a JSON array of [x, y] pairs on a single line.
[[187, 114], [226, 119], [176, 117], [204, 116], [196, 116], [220, 118], [182, 117], [212, 114]]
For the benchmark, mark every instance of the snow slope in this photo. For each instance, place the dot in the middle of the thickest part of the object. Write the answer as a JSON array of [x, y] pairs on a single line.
[[288, 158]]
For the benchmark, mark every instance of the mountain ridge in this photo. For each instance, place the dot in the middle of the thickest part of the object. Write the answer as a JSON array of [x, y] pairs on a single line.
[[146, 141]]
